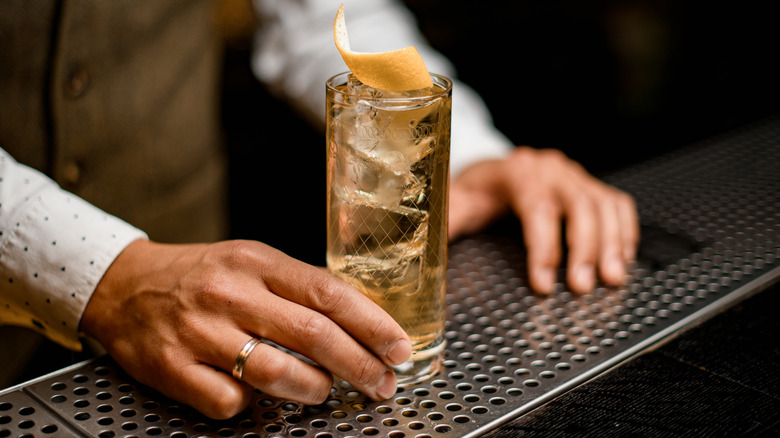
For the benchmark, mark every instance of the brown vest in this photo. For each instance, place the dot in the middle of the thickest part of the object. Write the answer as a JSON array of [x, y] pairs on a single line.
[[118, 101]]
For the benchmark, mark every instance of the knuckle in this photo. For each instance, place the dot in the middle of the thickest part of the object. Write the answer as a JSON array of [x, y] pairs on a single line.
[[522, 156], [237, 252], [316, 328], [209, 288], [522, 160], [558, 160], [364, 373], [169, 361], [380, 330], [540, 204], [555, 155], [626, 199], [522, 153], [327, 294]]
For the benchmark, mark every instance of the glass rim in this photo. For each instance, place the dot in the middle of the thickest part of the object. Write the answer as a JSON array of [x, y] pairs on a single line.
[[445, 87]]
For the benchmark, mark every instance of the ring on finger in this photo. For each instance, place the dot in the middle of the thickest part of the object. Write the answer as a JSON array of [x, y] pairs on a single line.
[[243, 356]]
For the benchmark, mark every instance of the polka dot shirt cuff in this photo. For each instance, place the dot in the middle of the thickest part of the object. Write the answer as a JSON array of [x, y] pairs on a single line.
[[54, 249]]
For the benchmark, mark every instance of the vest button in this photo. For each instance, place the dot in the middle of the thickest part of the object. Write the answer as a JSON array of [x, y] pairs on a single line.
[[78, 80], [71, 173]]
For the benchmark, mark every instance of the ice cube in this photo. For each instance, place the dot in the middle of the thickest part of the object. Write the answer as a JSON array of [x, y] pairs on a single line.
[[384, 245], [417, 186], [357, 88], [363, 172], [364, 112], [372, 229], [367, 176], [388, 176]]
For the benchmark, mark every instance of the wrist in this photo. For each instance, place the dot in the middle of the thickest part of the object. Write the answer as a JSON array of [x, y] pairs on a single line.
[[104, 299]]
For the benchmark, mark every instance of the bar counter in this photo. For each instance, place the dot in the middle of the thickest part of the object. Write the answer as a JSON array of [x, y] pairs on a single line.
[[687, 347]]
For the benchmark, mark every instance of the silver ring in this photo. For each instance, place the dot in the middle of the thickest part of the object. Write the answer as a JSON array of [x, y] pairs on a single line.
[[238, 366]]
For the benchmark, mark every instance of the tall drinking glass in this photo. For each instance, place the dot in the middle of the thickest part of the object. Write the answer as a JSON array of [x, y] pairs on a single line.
[[387, 181]]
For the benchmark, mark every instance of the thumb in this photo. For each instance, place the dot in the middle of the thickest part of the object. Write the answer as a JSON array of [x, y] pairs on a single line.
[[471, 211]]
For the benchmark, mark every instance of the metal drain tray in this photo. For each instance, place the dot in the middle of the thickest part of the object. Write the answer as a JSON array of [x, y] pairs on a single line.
[[710, 216]]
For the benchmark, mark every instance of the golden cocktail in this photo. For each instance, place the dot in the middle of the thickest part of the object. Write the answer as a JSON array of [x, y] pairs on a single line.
[[387, 178]]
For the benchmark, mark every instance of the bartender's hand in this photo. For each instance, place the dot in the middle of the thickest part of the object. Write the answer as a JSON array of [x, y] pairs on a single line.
[[544, 188], [175, 317]]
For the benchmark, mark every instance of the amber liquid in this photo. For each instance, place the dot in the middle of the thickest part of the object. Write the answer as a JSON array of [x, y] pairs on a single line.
[[388, 168]]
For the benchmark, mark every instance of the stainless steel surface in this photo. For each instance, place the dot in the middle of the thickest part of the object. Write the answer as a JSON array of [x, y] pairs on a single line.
[[21, 415], [710, 216]]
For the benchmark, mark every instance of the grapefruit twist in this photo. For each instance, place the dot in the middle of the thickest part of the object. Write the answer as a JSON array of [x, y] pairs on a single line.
[[396, 70]]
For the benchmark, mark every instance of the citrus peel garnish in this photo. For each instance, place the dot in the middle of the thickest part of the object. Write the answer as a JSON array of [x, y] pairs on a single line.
[[396, 70]]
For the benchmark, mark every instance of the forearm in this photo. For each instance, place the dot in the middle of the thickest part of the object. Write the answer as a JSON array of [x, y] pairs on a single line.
[[54, 249]]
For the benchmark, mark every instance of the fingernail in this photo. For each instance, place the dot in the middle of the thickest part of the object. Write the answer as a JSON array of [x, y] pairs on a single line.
[[400, 352], [584, 277], [386, 386]]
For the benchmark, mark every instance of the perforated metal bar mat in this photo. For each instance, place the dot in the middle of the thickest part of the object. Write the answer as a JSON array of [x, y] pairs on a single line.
[[710, 218]]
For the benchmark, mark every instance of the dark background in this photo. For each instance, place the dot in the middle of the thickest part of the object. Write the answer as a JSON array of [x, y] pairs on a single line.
[[608, 82]]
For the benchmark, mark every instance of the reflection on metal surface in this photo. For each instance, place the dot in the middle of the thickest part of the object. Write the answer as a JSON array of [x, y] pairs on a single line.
[[710, 215]]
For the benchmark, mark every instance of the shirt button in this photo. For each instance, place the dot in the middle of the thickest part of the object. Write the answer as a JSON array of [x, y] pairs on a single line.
[[78, 81], [71, 173]]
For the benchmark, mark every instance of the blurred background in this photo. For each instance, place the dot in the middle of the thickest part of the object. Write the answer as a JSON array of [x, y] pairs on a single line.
[[612, 81], [608, 82]]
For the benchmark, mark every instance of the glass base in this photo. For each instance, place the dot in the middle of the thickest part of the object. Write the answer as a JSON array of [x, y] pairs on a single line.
[[422, 366]]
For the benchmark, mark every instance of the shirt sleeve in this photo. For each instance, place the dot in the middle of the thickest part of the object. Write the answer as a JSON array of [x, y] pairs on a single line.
[[294, 54], [54, 249]]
